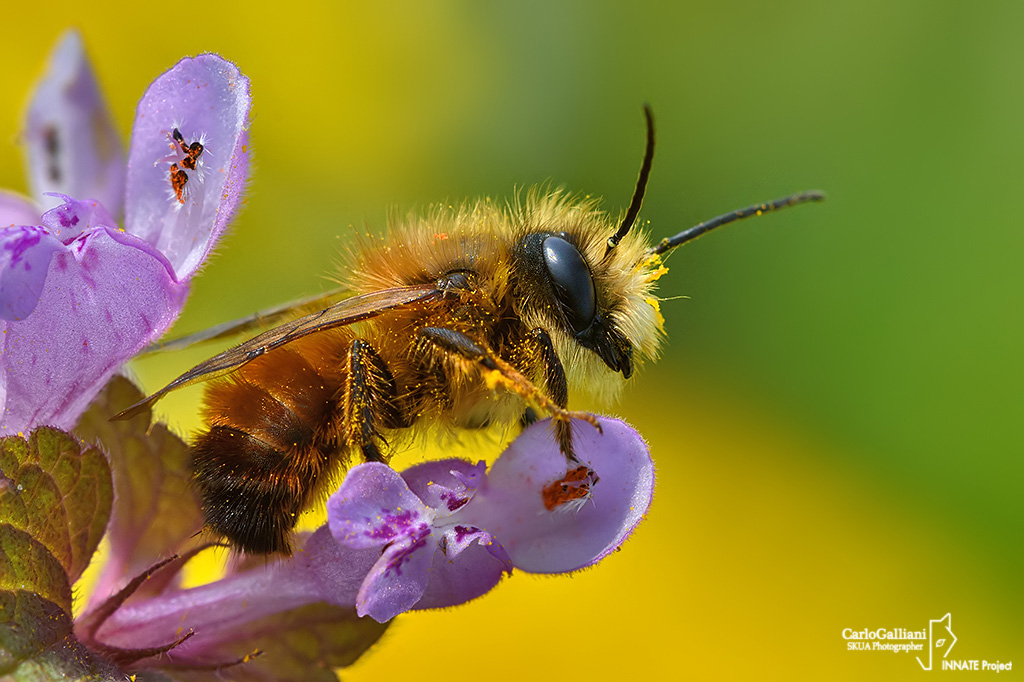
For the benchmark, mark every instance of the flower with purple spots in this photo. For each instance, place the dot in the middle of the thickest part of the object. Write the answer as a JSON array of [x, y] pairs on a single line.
[[79, 295], [447, 531]]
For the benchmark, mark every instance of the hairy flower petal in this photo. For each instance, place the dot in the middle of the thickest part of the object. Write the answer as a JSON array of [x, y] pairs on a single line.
[[475, 572], [25, 254], [445, 485], [374, 507], [107, 295], [450, 530], [71, 142], [227, 611], [510, 506], [74, 216], [398, 579], [206, 99]]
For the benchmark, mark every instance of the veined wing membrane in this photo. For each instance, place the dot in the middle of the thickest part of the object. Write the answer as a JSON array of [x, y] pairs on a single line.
[[346, 312], [262, 319]]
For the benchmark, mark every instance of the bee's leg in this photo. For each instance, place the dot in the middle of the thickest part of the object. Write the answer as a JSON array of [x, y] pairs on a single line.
[[370, 401], [498, 372], [557, 386], [529, 416], [574, 488]]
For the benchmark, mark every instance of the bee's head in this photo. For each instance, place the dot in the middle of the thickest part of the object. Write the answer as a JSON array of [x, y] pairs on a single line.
[[595, 290], [579, 284]]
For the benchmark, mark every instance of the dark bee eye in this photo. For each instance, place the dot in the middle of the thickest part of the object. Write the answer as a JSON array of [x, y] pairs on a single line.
[[573, 284]]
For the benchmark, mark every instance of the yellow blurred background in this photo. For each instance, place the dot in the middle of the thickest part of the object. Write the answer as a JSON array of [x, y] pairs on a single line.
[[836, 416]]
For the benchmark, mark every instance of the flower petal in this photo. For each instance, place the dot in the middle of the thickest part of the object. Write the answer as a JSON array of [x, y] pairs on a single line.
[[399, 578], [206, 99], [72, 145], [511, 508], [375, 507], [107, 295], [447, 484], [230, 608], [17, 210], [73, 217], [472, 574], [25, 254]]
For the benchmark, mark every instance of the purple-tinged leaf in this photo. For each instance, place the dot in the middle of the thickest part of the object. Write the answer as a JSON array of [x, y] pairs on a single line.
[[83, 477], [156, 512], [39, 510]]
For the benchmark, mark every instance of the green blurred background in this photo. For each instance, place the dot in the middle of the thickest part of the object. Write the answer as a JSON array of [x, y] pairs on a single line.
[[836, 416]]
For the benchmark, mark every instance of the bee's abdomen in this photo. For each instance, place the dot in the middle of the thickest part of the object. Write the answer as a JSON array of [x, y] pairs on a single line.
[[270, 444]]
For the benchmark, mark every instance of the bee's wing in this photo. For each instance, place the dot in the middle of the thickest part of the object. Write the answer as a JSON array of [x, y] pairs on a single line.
[[345, 312], [261, 320]]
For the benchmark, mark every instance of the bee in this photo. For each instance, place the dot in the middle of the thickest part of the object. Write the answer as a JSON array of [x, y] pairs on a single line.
[[465, 317]]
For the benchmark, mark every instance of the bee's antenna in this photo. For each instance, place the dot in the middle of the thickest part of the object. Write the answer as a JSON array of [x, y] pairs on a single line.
[[670, 243], [641, 185]]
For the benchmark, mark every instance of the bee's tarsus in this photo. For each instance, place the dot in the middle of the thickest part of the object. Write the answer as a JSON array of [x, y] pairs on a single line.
[[554, 373], [370, 400]]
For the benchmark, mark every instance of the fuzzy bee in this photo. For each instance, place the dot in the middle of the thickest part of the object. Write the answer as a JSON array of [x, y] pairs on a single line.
[[462, 318]]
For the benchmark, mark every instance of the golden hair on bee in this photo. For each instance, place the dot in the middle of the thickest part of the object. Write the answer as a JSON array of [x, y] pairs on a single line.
[[461, 318]]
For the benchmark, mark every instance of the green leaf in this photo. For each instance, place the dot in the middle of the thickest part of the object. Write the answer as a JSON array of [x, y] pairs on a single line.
[[29, 624], [26, 565], [66, 492], [36, 639], [55, 500], [156, 512]]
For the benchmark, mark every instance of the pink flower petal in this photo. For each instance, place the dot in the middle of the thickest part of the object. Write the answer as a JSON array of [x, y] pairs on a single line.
[[206, 99], [25, 254], [107, 295], [511, 508], [374, 507], [225, 610], [445, 485], [399, 578], [17, 210], [72, 145], [475, 572], [73, 217]]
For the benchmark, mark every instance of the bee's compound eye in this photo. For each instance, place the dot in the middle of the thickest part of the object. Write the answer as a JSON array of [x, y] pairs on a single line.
[[573, 284]]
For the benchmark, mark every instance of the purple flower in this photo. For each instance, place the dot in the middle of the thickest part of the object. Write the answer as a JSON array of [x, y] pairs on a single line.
[[78, 295], [447, 531], [439, 534]]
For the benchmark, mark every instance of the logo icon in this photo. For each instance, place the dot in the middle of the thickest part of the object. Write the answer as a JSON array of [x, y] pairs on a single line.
[[939, 633]]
